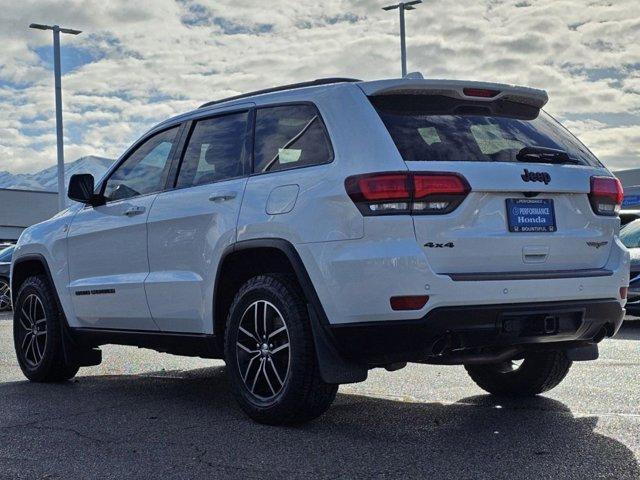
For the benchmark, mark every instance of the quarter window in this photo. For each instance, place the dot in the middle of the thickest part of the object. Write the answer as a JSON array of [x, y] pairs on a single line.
[[144, 171], [288, 137], [215, 150]]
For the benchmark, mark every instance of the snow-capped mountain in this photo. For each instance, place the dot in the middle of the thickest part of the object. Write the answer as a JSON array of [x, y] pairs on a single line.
[[47, 179]]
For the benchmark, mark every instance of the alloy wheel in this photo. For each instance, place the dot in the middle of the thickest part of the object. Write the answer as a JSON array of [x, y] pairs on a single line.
[[5, 296], [263, 350], [32, 322]]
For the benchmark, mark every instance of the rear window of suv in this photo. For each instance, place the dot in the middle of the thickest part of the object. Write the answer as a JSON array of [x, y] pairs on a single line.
[[439, 128]]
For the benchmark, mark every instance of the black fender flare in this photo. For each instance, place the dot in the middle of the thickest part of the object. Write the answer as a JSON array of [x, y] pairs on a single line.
[[334, 368], [30, 258]]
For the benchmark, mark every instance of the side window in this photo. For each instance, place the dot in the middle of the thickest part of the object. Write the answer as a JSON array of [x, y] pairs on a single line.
[[288, 137], [144, 170], [215, 150]]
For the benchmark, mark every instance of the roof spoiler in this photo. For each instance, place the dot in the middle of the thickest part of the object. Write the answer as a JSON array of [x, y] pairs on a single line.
[[478, 91]]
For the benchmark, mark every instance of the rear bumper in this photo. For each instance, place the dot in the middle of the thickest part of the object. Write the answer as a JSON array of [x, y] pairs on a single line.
[[449, 332], [355, 279]]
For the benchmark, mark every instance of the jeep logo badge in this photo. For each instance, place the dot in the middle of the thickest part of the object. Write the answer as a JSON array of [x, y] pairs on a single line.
[[528, 176]]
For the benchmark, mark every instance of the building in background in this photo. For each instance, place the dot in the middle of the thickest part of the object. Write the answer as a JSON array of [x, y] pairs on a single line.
[[20, 209], [30, 198]]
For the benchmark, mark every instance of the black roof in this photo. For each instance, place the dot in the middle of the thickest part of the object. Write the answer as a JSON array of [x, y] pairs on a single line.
[[312, 83]]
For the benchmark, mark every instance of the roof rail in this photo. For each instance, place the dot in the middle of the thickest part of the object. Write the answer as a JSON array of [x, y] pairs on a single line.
[[312, 83]]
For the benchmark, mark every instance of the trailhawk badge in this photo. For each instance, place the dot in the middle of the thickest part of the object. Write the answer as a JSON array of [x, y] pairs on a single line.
[[528, 176]]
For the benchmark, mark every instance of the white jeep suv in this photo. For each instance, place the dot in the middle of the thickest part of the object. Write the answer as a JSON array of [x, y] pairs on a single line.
[[308, 233]]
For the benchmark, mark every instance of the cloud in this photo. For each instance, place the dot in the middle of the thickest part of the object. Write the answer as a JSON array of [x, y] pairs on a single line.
[[137, 63], [598, 135]]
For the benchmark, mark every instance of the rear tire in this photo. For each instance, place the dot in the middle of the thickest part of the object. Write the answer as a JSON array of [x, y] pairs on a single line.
[[538, 373], [37, 333], [270, 354], [633, 309]]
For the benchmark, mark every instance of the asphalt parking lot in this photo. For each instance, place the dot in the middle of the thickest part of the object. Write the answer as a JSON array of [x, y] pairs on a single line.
[[143, 414]]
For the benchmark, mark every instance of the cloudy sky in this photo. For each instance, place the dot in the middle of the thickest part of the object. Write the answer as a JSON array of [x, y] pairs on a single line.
[[137, 63]]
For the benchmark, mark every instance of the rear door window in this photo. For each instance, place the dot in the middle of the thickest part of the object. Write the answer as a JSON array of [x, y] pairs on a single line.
[[438, 128], [215, 151], [289, 136]]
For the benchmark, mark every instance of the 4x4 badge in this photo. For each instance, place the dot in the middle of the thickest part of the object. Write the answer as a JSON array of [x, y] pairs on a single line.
[[528, 176], [439, 245]]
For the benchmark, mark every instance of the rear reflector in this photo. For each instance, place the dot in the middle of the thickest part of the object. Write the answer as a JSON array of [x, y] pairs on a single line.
[[606, 195], [480, 92], [413, 302], [407, 193], [623, 292]]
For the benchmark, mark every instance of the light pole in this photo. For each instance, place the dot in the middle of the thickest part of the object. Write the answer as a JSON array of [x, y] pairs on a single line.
[[402, 6], [58, 86]]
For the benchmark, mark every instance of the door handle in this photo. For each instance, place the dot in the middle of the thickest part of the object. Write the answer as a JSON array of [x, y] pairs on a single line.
[[131, 211], [222, 196]]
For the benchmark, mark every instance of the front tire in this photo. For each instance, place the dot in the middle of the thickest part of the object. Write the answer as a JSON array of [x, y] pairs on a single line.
[[538, 373], [37, 333], [270, 354]]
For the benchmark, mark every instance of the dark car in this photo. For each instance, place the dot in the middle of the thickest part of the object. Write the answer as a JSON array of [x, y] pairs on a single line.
[[627, 216], [630, 236], [5, 266]]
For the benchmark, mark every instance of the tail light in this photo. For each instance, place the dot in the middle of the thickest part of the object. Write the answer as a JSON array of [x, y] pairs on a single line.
[[606, 195], [402, 193]]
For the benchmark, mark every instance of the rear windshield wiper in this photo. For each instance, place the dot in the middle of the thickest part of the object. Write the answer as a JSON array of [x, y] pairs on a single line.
[[545, 155]]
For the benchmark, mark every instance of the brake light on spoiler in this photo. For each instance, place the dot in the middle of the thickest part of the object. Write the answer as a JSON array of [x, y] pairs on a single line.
[[480, 92], [402, 193], [606, 196]]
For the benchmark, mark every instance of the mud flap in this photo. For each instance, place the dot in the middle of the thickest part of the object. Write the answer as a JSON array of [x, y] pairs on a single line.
[[76, 354], [333, 367]]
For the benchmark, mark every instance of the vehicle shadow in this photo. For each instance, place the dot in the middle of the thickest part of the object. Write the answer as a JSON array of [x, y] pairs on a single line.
[[630, 330], [186, 425]]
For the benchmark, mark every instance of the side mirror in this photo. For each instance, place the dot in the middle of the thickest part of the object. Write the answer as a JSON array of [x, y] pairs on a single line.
[[81, 187]]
